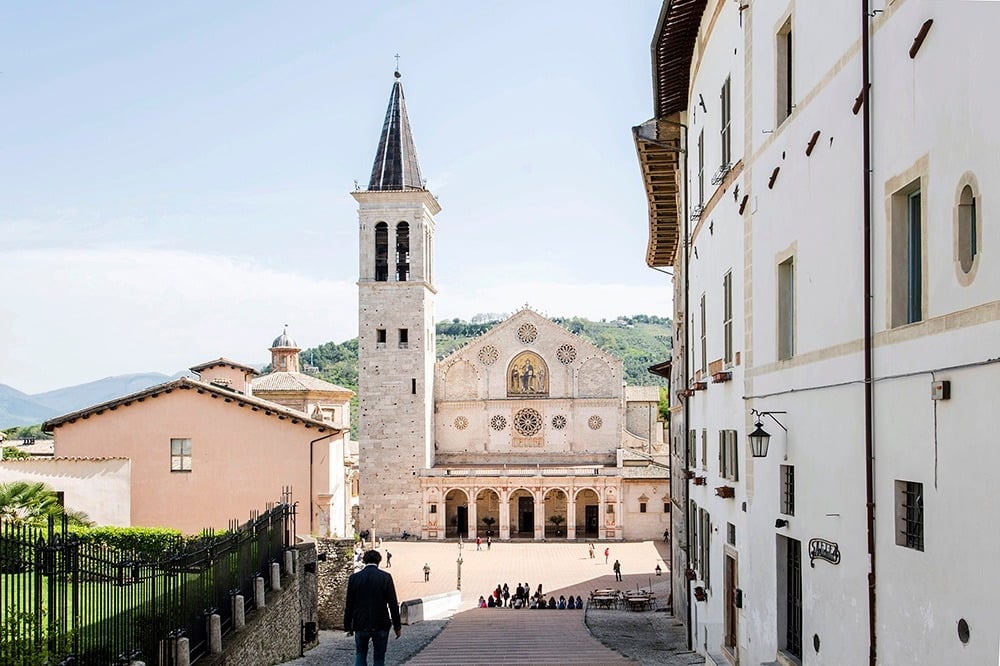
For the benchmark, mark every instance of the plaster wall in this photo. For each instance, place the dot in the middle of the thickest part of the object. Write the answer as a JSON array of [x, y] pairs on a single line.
[[98, 487]]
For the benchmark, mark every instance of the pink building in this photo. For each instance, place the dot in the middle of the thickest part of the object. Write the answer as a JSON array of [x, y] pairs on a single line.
[[204, 451]]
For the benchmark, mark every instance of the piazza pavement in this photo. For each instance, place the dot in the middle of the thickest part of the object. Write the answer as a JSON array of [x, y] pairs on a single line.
[[473, 636]]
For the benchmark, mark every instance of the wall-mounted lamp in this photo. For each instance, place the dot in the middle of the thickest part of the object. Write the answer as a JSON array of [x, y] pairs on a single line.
[[781, 522], [760, 438]]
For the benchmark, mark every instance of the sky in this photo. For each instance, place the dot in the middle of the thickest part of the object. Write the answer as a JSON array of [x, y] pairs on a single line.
[[175, 177]]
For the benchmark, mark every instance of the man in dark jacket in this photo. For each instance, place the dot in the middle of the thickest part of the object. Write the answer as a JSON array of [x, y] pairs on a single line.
[[371, 609]]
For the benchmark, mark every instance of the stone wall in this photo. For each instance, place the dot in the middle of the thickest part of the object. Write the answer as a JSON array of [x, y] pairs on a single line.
[[273, 634], [332, 577]]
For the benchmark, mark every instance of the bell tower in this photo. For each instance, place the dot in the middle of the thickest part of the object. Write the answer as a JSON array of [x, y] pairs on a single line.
[[396, 336]]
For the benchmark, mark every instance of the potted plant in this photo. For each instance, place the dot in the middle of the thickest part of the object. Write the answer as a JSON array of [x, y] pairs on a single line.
[[557, 521]]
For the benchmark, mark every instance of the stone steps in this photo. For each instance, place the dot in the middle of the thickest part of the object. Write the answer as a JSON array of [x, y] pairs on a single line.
[[479, 637]]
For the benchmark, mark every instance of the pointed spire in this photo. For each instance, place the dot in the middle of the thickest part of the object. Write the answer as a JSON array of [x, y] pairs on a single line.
[[396, 165]]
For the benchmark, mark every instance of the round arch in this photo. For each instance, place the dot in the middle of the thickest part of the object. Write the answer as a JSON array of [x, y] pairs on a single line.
[[488, 512], [456, 513], [588, 504], [522, 514]]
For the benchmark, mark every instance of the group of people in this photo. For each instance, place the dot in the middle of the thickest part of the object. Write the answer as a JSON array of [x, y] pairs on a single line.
[[522, 597]]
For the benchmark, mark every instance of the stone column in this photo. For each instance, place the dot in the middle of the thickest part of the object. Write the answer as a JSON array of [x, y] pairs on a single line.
[[258, 592], [473, 514], [571, 516], [183, 653], [214, 633], [540, 516], [504, 515]]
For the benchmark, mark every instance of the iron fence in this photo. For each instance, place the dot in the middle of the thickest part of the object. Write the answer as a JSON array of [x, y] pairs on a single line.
[[66, 602]]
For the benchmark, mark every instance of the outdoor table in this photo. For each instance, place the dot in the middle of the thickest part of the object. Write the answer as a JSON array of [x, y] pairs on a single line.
[[604, 600], [638, 602]]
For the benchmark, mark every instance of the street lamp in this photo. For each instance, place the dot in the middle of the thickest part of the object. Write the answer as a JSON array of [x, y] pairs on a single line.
[[760, 438], [458, 584]]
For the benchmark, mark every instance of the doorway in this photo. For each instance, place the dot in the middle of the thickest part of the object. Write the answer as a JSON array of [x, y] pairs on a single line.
[[590, 520], [526, 516]]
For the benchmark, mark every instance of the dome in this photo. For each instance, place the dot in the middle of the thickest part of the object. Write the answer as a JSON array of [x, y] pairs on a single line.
[[284, 340]]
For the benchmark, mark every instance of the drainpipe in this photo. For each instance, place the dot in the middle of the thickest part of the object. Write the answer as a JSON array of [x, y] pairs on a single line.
[[868, 300], [687, 402], [312, 503]]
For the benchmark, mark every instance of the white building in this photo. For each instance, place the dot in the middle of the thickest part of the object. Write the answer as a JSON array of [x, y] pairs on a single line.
[[833, 275]]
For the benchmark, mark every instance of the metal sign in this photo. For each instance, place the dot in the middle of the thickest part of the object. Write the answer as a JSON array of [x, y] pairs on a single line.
[[823, 550]]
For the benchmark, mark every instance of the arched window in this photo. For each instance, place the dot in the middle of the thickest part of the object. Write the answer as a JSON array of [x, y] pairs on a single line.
[[967, 241], [402, 251], [381, 252]]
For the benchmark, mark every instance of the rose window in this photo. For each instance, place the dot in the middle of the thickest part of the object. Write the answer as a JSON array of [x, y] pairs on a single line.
[[461, 422], [527, 422], [527, 333], [488, 355], [559, 422], [595, 422], [566, 354], [498, 422]]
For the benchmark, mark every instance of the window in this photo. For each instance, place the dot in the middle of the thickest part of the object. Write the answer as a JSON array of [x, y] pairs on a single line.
[[704, 448], [731, 534], [727, 157], [729, 467], [642, 507], [783, 74], [727, 317], [701, 168], [692, 452], [666, 507], [379, 338], [910, 514], [404, 338], [906, 260], [413, 385], [402, 252], [381, 252], [434, 508], [968, 243], [705, 545], [788, 490], [786, 309], [180, 455], [704, 337]]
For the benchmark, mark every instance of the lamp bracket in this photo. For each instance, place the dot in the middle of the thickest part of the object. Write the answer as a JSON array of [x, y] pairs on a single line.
[[759, 414]]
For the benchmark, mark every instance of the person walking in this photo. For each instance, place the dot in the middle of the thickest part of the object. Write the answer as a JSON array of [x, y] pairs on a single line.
[[388, 560], [371, 609], [427, 572], [479, 542], [618, 570], [590, 547], [489, 542], [607, 551]]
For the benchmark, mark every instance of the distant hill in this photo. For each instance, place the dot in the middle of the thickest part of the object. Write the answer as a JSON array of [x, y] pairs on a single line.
[[21, 409]]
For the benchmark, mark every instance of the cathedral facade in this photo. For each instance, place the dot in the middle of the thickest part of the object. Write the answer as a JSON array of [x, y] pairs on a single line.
[[527, 432]]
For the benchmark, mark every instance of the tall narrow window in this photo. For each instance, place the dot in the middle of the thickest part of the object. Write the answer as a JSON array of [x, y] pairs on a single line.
[[691, 448], [701, 168], [402, 252], [704, 448], [381, 252], [729, 467], [788, 490], [906, 256], [783, 74], [914, 259], [704, 337], [404, 338], [727, 156], [727, 317], [379, 338], [786, 309], [705, 544], [910, 514], [967, 245], [180, 455]]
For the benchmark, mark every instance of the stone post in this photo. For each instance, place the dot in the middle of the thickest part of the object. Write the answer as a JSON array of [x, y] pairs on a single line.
[[258, 592], [275, 576], [289, 562], [214, 633], [183, 656], [239, 613]]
